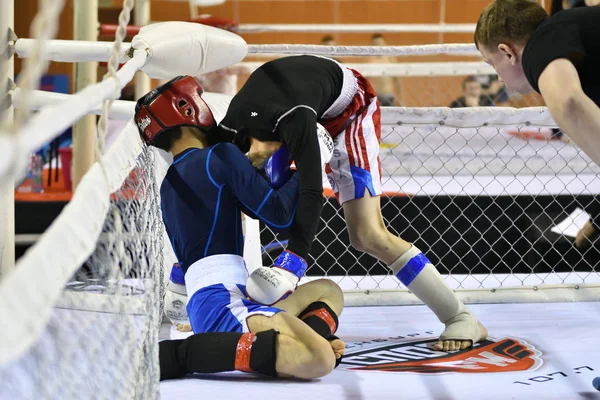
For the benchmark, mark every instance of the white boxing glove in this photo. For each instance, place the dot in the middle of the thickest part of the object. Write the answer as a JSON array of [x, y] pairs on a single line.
[[175, 304], [269, 285], [176, 297], [325, 144]]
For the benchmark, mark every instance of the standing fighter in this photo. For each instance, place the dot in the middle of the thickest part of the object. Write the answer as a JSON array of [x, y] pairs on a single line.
[[201, 197], [282, 101], [557, 56]]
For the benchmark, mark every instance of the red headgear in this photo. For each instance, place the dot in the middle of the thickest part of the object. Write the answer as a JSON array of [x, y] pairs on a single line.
[[174, 104]]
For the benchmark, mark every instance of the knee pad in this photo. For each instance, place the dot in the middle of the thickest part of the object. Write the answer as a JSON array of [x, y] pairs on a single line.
[[170, 368], [321, 318], [263, 355]]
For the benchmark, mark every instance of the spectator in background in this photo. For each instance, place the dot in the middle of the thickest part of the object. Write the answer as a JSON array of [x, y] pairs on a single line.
[[494, 89], [328, 41], [388, 88], [221, 81], [225, 80], [472, 95]]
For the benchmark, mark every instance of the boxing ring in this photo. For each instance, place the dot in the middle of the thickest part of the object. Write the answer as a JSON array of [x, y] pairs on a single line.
[[486, 192], [389, 356]]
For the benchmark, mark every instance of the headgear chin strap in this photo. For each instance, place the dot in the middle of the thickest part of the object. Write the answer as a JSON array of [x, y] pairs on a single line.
[[174, 104]]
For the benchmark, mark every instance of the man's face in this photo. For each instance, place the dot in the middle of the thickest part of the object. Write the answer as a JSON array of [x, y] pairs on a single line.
[[506, 60], [378, 41], [472, 89]]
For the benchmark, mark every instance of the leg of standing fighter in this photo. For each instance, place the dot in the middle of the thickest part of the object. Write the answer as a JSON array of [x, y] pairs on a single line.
[[356, 176], [369, 234]]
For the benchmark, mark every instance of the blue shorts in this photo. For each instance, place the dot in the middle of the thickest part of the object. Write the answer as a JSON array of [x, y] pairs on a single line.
[[224, 308]]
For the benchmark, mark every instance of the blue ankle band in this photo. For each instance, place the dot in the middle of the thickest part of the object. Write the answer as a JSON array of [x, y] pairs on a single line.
[[413, 267]]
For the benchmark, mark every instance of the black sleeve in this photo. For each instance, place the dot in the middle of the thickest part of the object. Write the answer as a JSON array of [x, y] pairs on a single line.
[[246, 211], [485, 101], [549, 44], [299, 132], [229, 167], [457, 103]]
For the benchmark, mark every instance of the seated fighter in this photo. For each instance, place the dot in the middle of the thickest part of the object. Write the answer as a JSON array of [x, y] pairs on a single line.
[[282, 101], [201, 197]]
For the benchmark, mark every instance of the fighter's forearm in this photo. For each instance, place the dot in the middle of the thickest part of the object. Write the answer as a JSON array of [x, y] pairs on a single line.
[[306, 222], [579, 118]]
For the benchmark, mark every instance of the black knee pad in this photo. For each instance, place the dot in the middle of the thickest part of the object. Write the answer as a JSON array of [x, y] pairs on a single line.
[[168, 360], [321, 318], [263, 355]]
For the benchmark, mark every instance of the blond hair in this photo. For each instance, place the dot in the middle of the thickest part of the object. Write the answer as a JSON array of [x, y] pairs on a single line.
[[508, 21], [258, 159]]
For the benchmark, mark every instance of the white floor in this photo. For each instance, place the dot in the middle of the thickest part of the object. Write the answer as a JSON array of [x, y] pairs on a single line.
[[554, 349]]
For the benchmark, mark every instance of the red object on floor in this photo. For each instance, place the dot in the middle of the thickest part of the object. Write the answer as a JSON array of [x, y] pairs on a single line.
[[66, 157]]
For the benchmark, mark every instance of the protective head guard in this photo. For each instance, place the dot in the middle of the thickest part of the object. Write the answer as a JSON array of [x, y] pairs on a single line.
[[174, 104]]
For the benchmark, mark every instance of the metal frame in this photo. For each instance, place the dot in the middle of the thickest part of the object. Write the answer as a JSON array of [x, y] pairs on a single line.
[[7, 193], [85, 23]]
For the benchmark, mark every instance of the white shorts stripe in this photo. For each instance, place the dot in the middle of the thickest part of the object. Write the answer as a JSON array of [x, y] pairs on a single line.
[[341, 178]]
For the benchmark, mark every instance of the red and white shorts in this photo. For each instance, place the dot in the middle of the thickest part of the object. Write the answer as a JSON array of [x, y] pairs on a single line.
[[356, 132]]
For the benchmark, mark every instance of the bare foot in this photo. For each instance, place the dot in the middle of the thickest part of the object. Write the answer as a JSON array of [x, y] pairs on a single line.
[[460, 333], [184, 328], [338, 346]]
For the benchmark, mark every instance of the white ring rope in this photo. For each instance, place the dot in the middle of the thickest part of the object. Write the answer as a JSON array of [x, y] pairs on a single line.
[[76, 51], [71, 50], [470, 117], [417, 50], [62, 249], [357, 28], [195, 50], [454, 68], [120, 110], [51, 121], [113, 65], [43, 28], [66, 244]]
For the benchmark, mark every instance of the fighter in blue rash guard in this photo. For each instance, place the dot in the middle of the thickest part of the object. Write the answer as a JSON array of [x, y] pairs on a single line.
[[201, 197]]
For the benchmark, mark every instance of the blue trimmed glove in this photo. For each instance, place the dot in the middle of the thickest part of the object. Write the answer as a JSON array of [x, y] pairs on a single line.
[[277, 168], [269, 285], [176, 297]]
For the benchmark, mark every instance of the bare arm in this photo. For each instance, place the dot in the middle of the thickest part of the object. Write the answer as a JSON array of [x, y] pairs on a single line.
[[574, 112]]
